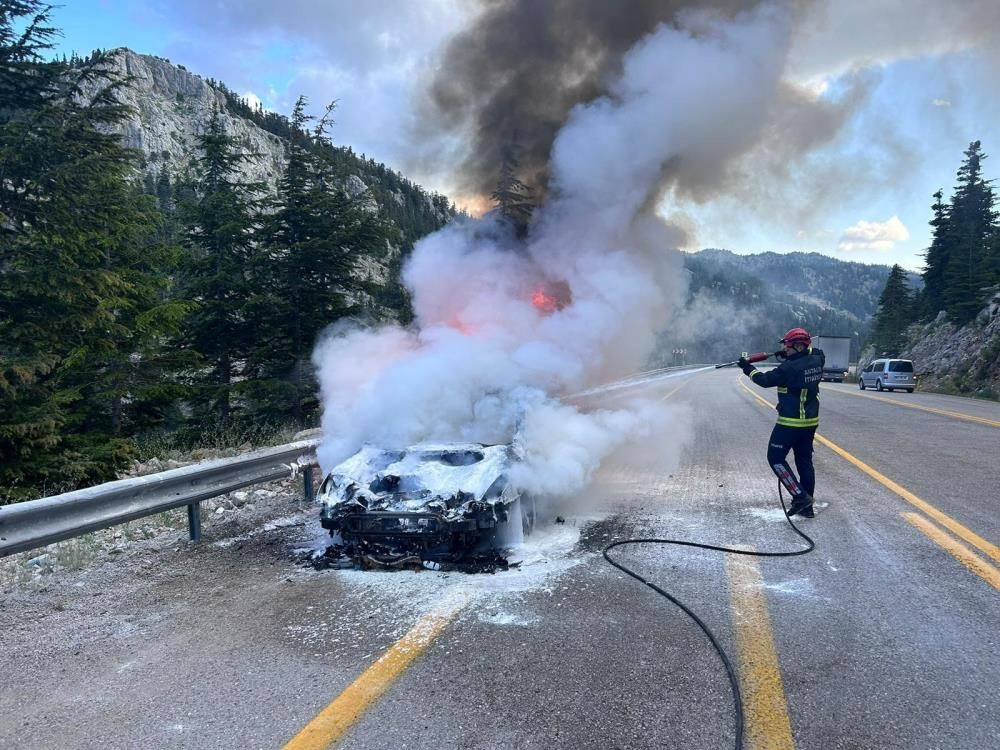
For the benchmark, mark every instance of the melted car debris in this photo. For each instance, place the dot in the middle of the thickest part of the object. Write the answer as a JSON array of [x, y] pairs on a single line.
[[434, 506]]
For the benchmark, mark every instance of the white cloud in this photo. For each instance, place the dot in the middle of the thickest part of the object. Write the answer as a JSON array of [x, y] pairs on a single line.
[[252, 99], [872, 235], [941, 102]]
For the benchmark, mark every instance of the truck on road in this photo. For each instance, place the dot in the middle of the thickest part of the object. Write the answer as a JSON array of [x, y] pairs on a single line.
[[838, 354]]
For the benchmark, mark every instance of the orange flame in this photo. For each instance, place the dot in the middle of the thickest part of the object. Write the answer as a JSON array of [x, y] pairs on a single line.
[[543, 301], [551, 296]]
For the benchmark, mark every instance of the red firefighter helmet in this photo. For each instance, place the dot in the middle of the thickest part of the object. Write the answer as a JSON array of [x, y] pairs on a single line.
[[797, 336]]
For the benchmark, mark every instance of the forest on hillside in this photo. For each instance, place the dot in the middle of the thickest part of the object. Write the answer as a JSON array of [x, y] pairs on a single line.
[[738, 303], [961, 266], [184, 306]]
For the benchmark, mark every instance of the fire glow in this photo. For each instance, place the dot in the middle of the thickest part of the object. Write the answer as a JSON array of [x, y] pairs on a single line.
[[551, 297], [579, 300]]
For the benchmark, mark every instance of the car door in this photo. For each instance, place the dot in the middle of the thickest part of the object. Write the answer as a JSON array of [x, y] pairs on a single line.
[[866, 375], [879, 373], [876, 371]]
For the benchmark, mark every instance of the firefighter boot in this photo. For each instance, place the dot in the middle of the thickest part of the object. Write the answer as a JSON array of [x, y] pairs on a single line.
[[802, 506]]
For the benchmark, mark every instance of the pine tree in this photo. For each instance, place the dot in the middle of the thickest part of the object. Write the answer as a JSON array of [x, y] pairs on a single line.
[[316, 235], [894, 313], [512, 197], [79, 295], [936, 259], [972, 222], [221, 222]]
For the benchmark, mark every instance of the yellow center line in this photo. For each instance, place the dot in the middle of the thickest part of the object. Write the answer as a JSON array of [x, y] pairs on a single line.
[[960, 552], [765, 709], [947, 521], [931, 409], [332, 722]]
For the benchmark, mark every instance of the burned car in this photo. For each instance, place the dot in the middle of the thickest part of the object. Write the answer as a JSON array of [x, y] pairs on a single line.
[[429, 504]]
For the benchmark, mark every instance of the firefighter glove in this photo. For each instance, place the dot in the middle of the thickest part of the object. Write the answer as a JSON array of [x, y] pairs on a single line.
[[744, 365]]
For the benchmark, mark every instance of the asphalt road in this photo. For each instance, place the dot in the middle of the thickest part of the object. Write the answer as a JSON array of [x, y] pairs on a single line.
[[885, 636]]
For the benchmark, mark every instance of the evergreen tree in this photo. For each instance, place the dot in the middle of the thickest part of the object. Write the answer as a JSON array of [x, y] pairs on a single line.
[[972, 223], [936, 259], [894, 313], [221, 222], [512, 197], [307, 268], [79, 296]]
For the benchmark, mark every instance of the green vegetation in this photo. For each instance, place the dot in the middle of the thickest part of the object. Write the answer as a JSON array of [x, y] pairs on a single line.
[[745, 302], [961, 273], [962, 264], [84, 283], [512, 197], [137, 312], [895, 313]]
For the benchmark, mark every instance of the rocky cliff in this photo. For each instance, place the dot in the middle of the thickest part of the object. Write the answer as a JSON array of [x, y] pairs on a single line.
[[170, 107], [962, 360]]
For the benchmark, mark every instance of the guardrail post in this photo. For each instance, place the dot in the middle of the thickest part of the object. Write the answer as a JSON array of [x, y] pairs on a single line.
[[194, 522], [307, 480]]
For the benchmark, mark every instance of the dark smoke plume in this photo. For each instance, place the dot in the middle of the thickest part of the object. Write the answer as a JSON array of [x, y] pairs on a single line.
[[513, 76]]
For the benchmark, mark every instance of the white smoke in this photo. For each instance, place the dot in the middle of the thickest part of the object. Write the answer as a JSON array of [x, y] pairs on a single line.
[[482, 363]]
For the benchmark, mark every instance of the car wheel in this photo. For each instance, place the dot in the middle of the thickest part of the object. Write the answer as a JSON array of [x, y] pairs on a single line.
[[878, 385], [891, 390], [909, 390], [861, 383]]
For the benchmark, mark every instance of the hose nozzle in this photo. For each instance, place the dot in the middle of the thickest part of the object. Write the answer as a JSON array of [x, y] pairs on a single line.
[[758, 357]]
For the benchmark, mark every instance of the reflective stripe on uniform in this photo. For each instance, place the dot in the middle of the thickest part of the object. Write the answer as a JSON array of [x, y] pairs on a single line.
[[782, 389], [753, 372], [803, 394], [793, 422]]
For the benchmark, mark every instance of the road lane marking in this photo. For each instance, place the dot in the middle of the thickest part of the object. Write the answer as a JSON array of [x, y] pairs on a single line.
[[765, 709], [948, 522], [931, 409], [332, 723], [959, 551], [671, 393]]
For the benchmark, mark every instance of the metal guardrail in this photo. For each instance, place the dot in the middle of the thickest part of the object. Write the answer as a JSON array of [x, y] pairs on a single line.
[[35, 523]]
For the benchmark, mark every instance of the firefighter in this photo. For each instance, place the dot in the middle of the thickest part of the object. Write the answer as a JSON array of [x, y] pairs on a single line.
[[797, 379]]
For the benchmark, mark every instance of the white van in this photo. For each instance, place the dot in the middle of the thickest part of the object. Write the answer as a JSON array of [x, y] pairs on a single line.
[[888, 374]]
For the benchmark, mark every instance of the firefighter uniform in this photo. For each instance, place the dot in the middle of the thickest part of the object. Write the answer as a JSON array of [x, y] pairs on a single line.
[[797, 379]]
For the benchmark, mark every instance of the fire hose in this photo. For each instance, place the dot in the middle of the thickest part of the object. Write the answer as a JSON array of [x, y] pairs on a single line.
[[730, 670], [758, 357]]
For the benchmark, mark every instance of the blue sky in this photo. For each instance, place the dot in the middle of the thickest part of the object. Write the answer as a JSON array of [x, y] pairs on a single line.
[[865, 195]]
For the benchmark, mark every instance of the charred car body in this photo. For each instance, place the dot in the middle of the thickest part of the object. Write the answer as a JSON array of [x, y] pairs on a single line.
[[429, 503]]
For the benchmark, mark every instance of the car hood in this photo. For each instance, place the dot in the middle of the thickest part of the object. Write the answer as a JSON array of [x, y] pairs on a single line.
[[428, 476]]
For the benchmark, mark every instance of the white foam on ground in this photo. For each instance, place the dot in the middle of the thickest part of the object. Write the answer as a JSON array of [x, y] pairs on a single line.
[[507, 618], [543, 557], [766, 514], [802, 587], [391, 601]]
